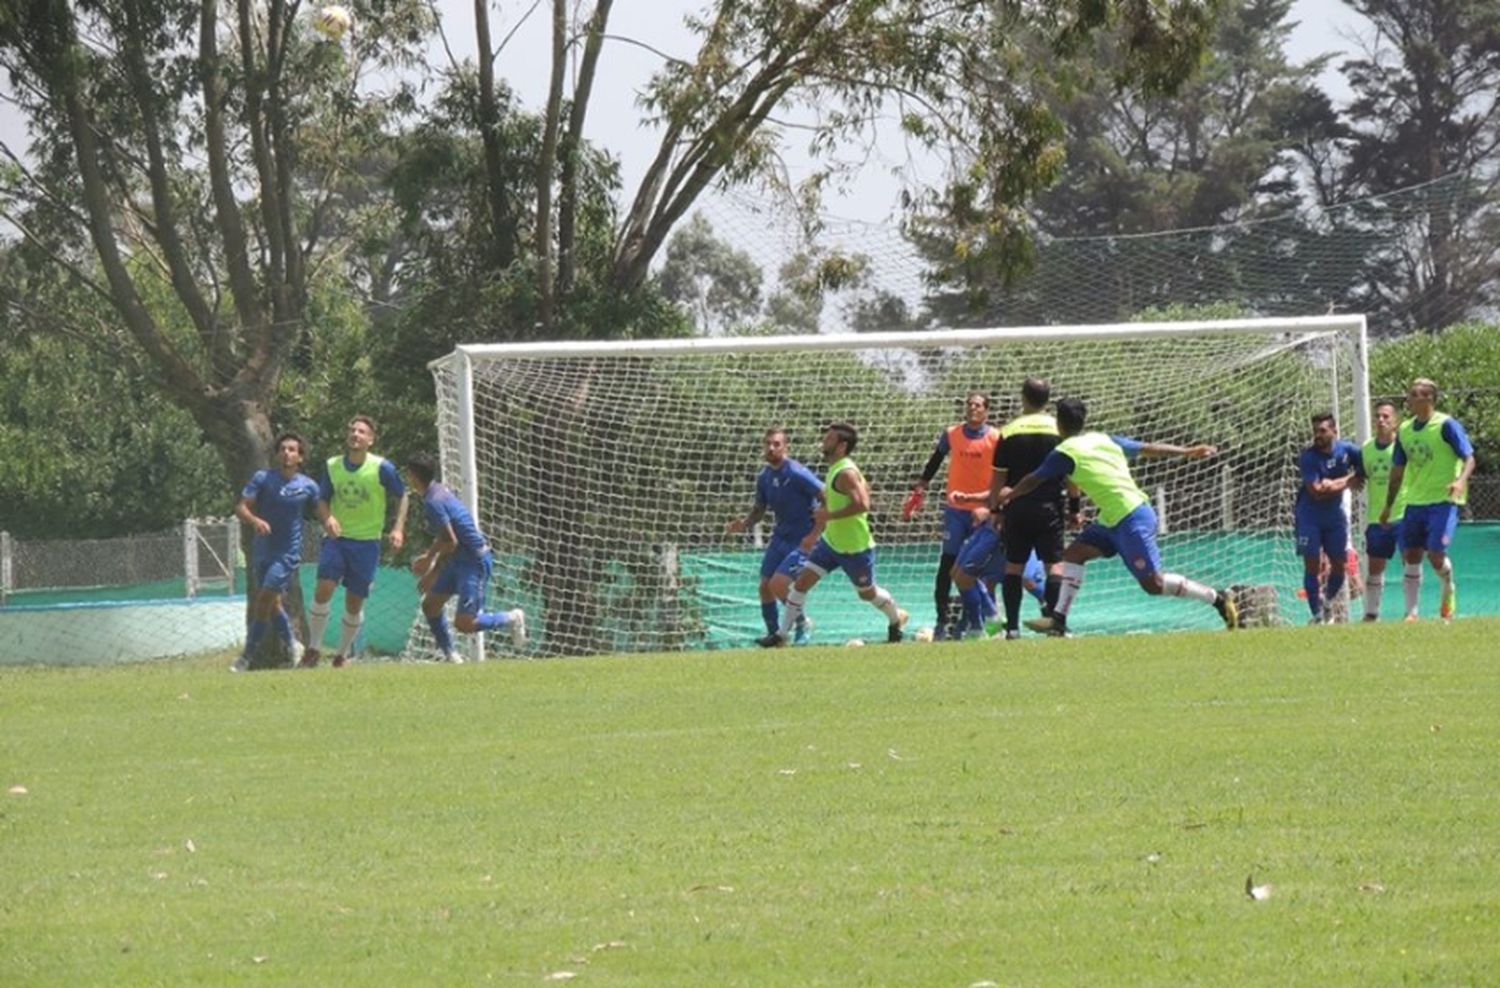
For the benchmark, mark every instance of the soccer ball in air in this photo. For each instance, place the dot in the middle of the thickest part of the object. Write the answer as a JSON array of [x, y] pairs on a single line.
[[333, 22]]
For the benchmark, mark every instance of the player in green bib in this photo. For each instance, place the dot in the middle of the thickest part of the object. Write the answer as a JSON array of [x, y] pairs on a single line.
[[840, 539], [1377, 460], [354, 494], [1099, 465], [1430, 467]]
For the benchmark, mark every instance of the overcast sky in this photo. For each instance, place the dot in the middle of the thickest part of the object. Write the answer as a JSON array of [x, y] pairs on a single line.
[[614, 118]]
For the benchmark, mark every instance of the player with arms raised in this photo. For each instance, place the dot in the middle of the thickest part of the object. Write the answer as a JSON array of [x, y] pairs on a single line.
[[840, 539], [1377, 460], [1099, 465], [791, 492], [458, 562], [1431, 466], [273, 503]]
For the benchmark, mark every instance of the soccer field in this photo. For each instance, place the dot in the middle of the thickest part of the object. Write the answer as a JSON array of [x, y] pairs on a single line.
[[1081, 812]]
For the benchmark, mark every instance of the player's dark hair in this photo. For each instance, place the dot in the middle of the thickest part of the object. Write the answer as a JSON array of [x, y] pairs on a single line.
[[1071, 414], [846, 432], [1035, 392], [301, 443], [423, 466], [369, 422], [773, 430], [1322, 417], [977, 394], [1388, 403]]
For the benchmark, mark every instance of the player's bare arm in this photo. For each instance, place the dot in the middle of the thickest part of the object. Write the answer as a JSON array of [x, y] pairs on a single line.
[[243, 512], [738, 525], [397, 537]]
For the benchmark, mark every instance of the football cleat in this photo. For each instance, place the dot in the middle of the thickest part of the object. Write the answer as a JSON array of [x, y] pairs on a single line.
[[517, 626], [339, 661], [309, 659], [1228, 609], [1043, 624], [1012, 634], [1448, 605], [802, 632], [772, 640], [453, 657], [241, 664], [893, 633]]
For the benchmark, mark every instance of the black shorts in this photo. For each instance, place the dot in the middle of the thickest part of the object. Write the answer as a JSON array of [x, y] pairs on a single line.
[[1034, 526]]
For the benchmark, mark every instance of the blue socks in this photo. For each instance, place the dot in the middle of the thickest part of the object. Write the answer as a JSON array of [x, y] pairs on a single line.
[[440, 632], [490, 620], [1312, 586], [254, 637], [769, 615], [283, 628], [1335, 584]]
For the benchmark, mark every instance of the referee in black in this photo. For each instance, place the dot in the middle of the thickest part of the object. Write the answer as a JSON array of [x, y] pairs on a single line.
[[1036, 521]]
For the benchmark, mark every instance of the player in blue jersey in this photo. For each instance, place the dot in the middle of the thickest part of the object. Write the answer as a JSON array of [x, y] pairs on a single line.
[[791, 492], [458, 562], [274, 503], [981, 567], [1327, 468], [355, 489]]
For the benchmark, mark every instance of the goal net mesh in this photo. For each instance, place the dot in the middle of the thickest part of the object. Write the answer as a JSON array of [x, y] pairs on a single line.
[[605, 478]]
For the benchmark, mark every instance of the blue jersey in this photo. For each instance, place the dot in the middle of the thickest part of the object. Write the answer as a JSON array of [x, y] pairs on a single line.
[[791, 492], [444, 510], [1343, 459], [390, 479], [281, 503], [1453, 434]]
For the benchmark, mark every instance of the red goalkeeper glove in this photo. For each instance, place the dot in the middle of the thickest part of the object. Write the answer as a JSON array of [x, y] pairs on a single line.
[[913, 503]]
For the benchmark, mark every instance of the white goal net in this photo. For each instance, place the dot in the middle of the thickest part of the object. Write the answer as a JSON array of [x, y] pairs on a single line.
[[604, 473]]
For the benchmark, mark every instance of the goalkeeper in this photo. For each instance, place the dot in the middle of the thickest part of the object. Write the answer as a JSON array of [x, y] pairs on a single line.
[[1099, 465], [840, 539], [791, 492], [971, 445]]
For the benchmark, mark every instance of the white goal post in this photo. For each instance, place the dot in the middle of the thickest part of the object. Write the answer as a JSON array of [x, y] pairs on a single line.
[[604, 472]]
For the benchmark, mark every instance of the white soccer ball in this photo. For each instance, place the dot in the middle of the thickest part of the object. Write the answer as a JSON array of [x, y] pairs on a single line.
[[854, 643], [923, 635], [333, 22]]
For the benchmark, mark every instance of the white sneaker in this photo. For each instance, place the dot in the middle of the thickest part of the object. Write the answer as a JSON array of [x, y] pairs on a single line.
[[454, 658], [517, 626], [241, 664]]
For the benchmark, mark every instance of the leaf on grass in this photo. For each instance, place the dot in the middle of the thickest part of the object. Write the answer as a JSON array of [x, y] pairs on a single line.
[[610, 945], [1154, 857], [787, 771], [1194, 825], [892, 753], [1259, 893], [260, 958], [1373, 887], [1436, 728], [183, 696], [985, 984], [191, 847], [712, 888], [561, 976], [17, 790], [854, 765], [158, 875]]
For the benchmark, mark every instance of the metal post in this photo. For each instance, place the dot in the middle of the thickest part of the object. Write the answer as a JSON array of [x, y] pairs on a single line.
[[1161, 510], [232, 551], [1226, 497], [6, 575], [468, 456], [190, 556]]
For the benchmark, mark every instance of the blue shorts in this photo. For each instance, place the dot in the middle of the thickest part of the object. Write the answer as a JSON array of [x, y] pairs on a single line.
[[981, 553], [351, 562], [276, 572], [783, 555], [1034, 572], [469, 577], [859, 567], [1319, 536], [1429, 526], [1133, 539], [958, 525], [1381, 541]]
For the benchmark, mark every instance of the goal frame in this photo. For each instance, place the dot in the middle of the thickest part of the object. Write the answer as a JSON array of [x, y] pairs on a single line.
[[462, 360]]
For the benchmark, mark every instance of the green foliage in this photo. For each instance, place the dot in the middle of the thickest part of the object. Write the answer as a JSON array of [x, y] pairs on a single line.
[[1465, 362], [1073, 813], [717, 285]]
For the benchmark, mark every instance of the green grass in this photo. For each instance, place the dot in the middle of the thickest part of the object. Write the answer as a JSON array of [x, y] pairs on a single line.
[[1036, 813]]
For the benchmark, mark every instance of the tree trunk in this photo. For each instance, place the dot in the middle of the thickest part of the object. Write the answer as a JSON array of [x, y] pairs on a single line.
[[546, 164]]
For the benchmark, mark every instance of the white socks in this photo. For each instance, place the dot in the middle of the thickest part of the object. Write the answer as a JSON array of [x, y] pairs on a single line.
[[348, 630], [1180, 586], [1374, 588], [1072, 581], [796, 600], [1411, 583], [317, 622], [886, 604]]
